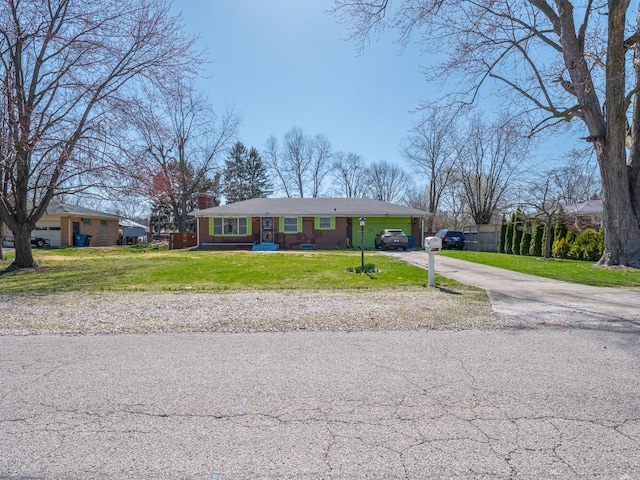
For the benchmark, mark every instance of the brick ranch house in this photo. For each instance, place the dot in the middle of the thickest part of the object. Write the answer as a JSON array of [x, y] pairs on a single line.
[[303, 223]]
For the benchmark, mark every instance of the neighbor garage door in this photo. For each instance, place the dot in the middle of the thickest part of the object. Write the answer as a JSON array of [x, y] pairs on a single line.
[[49, 230]]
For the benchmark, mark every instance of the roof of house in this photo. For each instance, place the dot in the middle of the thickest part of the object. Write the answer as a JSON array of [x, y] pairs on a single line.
[[59, 208], [340, 207], [126, 223], [590, 207]]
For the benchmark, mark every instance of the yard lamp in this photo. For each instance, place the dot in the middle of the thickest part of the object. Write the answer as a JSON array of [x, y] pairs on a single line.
[[362, 222]]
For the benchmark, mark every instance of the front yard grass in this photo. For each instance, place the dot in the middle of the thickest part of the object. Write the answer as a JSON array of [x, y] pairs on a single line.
[[152, 269], [574, 271]]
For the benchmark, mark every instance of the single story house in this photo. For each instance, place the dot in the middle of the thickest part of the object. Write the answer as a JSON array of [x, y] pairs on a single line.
[[585, 215], [303, 223], [62, 222]]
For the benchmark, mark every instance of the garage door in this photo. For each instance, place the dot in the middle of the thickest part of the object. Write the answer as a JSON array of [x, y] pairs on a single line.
[[49, 230]]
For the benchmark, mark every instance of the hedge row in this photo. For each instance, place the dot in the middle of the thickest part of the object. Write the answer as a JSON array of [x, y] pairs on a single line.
[[527, 236]]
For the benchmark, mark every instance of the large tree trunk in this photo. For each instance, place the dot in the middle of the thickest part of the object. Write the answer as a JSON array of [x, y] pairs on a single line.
[[22, 244], [622, 230]]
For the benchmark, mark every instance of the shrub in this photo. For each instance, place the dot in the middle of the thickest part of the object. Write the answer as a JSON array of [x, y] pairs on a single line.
[[525, 245], [561, 248], [589, 245], [517, 234], [560, 226], [368, 268], [508, 238], [503, 233], [537, 235]]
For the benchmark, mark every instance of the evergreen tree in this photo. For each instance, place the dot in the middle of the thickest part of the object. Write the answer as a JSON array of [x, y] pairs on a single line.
[[508, 238], [537, 232], [503, 233], [245, 175], [517, 233], [525, 245], [561, 226]]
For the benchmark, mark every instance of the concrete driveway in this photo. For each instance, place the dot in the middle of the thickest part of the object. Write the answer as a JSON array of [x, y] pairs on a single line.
[[533, 300]]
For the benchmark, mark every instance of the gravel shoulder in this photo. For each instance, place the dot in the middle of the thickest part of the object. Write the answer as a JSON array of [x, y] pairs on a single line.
[[254, 311]]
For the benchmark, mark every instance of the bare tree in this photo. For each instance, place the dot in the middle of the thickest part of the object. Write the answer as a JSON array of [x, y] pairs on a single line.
[[321, 153], [431, 147], [577, 180], [301, 164], [349, 172], [181, 139], [555, 70], [489, 164], [66, 70], [272, 153], [387, 182]]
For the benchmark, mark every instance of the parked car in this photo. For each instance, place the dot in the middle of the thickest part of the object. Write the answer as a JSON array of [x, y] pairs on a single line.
[[391, 238], [35, 241], [451, 239], [40, 242]]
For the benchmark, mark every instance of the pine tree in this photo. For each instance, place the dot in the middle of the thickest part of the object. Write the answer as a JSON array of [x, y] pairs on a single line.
[[503, 233], [537, 233], [517, 233], [256, 176], [245, 175], [508, 238], [525, 245], [561, 225]]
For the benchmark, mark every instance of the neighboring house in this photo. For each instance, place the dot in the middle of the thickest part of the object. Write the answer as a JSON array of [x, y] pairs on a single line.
[[303, 223], [132, 233], [62, 222], [584, 215]]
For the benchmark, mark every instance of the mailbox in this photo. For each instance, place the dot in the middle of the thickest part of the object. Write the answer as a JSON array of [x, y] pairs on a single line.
[[432, 244]]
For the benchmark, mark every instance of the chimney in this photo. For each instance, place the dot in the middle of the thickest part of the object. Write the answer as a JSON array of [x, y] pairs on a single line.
[[204, 201]]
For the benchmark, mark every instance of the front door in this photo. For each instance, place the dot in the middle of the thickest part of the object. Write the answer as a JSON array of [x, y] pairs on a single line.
[[266, 230]]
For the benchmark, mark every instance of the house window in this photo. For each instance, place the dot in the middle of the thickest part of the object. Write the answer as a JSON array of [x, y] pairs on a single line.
[[230, 226], [86, 221], [290, 225], [103, 223], [325, 223]]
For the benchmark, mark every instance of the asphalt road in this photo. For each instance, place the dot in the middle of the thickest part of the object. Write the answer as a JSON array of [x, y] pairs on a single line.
[[546, 400]]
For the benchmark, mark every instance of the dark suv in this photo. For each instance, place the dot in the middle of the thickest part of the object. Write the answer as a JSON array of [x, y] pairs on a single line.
[[451, 239]]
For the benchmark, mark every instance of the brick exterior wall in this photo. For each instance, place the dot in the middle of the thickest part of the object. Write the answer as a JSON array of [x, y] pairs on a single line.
[[104, 232], [320, 239]]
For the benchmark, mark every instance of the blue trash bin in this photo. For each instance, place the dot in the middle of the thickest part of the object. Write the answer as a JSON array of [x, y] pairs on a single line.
[[79, 240], [409, 242]]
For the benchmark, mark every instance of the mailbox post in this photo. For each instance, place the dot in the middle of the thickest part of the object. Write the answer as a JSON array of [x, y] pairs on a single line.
[[432, 245]]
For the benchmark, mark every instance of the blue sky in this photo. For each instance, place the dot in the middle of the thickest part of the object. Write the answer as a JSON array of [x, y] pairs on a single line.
[[286, 63]]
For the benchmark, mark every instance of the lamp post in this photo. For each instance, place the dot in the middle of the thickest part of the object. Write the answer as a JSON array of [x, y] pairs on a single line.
[[362, 222]]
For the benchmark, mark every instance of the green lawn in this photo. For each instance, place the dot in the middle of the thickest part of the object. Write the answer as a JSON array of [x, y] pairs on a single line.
[[149, 269], [574, 271]]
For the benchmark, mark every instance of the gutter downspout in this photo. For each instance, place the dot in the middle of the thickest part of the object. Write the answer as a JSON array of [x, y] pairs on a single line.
[[198, 231]]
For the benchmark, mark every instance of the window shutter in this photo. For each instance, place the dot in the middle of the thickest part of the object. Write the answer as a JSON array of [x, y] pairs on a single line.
[[281, 224], [333, 223], [299, 224], [316, 223], [249, 226], [211, 226]]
